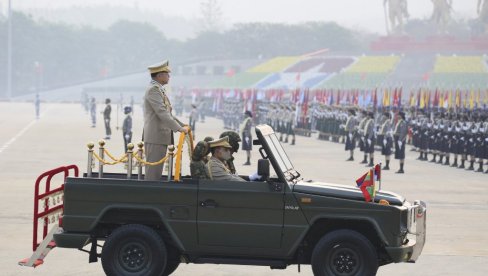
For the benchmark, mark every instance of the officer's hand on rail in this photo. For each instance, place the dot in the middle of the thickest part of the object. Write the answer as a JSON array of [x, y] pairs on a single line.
[[184, 130]]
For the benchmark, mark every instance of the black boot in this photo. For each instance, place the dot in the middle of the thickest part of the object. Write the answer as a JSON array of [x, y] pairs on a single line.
[[371, 164], [365, 160], [471, 166], [292, 142], [401, 169], [480, 169], [441, 157], [248, 162], [350, 158], [387, 166], [421, 156], [281, 138], [462, 164], [433, 158], [447, 161], [455, 164]]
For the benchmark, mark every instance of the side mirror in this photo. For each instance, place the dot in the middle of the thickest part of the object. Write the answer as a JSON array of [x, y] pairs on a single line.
[[263, 168]]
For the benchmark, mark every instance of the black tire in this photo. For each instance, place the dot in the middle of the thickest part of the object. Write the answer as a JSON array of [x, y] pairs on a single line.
[[173, 261], [345, 253], [134, 250]]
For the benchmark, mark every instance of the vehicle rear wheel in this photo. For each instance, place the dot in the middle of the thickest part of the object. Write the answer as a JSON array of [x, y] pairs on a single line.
[[134, 250], [345, 253]]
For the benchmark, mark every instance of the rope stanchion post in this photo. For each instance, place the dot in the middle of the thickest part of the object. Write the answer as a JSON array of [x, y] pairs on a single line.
[[101, 153], [140, 145], [171, 150], [90, 159], [130, 147]]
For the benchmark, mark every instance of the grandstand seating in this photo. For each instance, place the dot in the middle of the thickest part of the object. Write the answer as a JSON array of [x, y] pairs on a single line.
[[459, 71], [275, 65], [367, 72], [460, 64], [374, 64]]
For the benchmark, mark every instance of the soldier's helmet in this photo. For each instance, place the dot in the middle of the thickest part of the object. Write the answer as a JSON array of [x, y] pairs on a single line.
[[201, 150], [234, 139]]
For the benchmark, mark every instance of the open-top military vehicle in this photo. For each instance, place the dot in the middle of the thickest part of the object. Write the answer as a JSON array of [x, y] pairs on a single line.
[[150, 227]]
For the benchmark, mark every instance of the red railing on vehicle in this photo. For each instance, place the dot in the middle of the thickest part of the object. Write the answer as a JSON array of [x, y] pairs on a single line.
[[47, 208]]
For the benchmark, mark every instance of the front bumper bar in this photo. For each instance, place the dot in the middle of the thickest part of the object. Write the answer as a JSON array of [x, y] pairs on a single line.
[[410, 251]]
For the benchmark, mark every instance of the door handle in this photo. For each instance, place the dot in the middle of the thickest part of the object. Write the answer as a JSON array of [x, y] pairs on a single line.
[[209, 203]]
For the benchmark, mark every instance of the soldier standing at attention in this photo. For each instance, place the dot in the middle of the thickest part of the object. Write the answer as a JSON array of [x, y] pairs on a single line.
[[349, 128], [37, 104], [387, 140], [159, 123], [193, 118], [93, 112], [400, 134], [360, 129], [106, 119], [247, 136], [369, 139], [127, 127]]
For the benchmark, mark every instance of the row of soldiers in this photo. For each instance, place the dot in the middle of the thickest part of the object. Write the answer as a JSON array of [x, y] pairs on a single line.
[[462, 136]]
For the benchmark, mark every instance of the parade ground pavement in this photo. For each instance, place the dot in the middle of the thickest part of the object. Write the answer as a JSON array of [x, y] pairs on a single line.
[[457, 200]]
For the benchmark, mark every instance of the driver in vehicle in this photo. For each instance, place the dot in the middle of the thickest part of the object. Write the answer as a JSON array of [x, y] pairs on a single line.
[[221, 152]]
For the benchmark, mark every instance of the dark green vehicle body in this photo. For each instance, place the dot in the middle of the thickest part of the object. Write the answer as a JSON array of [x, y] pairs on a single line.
[[274, 223]]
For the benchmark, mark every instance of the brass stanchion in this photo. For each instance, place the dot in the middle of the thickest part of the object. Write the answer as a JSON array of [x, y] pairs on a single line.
[[171, 150], [90, 159], [102, 157], [140, 145], [130, 147]]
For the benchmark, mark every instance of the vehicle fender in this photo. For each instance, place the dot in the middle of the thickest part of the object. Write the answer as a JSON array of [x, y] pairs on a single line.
[[145, 209]]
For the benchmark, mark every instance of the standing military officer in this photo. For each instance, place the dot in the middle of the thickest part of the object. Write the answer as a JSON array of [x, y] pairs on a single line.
[[106, 118], [127, 127], [247, 136], [350, 128], [400, 134], [159, 123], [93, 112], [37, 104], [369, 138], [386, 139]]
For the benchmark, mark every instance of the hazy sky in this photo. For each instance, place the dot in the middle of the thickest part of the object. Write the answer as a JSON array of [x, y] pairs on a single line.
[[364, 14]]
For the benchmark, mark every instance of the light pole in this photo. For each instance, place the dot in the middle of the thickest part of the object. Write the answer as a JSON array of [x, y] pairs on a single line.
[[9, 51]]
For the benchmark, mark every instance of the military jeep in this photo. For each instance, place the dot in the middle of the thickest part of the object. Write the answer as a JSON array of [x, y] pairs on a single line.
[[150, 227]]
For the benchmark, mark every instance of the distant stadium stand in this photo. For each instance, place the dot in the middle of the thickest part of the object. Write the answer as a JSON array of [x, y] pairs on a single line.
[[367, 72], [275, 65], [459, 72]]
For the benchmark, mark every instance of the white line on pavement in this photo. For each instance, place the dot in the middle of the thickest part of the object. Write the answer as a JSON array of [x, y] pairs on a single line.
[[20, 133]]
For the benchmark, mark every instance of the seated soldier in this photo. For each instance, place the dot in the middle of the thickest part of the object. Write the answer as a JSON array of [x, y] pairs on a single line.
[[198, 168], [234, 140], [199, 159], [221, 152]]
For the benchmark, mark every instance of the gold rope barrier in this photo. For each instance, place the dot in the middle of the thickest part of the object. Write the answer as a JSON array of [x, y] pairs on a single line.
[[180, 150], [123, 159], [111, 156], [142, 161]]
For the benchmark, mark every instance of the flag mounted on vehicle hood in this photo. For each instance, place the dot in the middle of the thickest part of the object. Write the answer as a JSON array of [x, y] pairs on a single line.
[[366, 183]]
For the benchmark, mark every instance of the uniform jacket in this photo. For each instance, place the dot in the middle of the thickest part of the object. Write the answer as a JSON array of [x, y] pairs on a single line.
[[401, 130], [218, 171], [158, 121]]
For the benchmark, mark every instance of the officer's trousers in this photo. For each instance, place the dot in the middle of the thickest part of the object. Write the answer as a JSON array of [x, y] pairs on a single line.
[[154, 153]]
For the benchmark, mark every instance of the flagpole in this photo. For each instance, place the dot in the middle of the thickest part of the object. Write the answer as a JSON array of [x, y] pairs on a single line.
[[9, 51]]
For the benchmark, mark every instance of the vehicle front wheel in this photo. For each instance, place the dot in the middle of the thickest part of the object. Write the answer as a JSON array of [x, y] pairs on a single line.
[[173, 260], [134, 250], [345, 253]]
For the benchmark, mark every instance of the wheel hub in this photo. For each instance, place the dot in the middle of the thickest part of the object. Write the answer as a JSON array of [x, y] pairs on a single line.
[[344, 261], [133, 257]]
